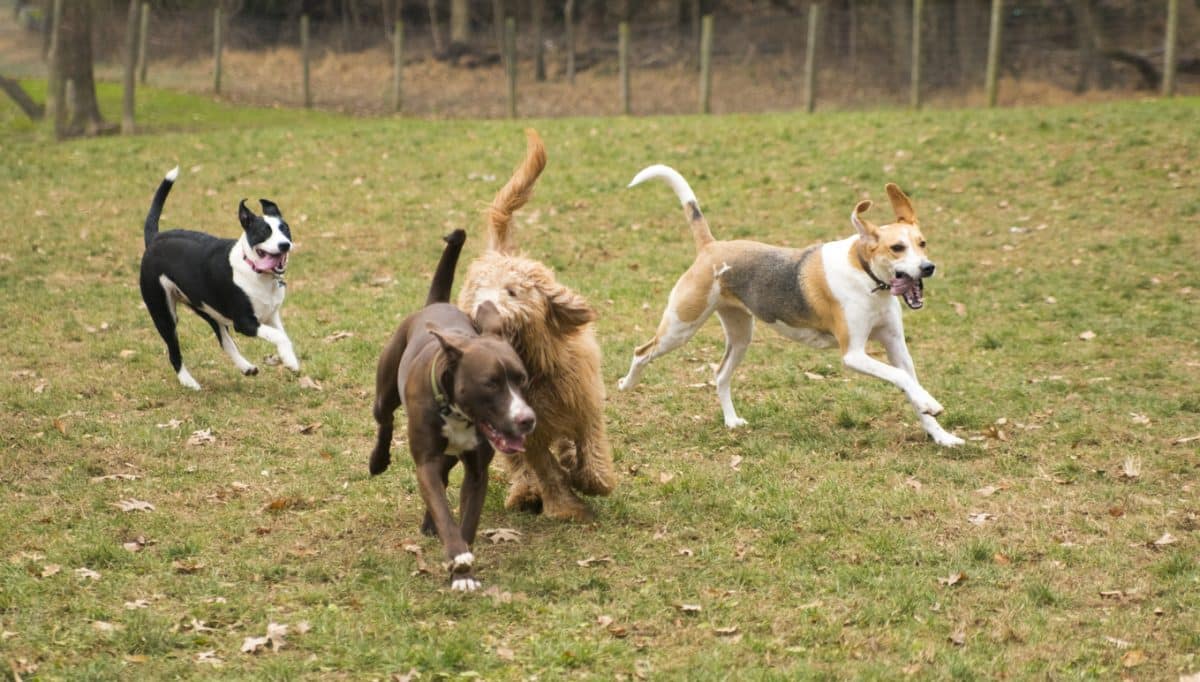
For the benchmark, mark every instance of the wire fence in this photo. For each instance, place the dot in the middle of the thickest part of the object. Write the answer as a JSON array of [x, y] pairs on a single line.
[[863, 59]]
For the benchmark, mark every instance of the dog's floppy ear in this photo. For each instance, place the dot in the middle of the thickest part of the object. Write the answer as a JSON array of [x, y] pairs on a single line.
[[567, 310], [451, 343], [269, 208], [905, 213], [488, 320], [866, 229]]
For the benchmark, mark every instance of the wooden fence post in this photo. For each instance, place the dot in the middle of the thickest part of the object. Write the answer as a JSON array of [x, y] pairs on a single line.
[[143, 33], [304, 57], [510, 63], [993, 58], [810, 58], [1169, 47], [217, 50], [706, 41], [623, 58], [128, 82], [569, 20], [398, 67], [56, 95], [914, 96]]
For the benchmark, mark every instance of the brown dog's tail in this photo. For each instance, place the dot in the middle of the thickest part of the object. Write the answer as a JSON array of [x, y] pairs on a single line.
[[691, 206], [443, 277], [515, 193]]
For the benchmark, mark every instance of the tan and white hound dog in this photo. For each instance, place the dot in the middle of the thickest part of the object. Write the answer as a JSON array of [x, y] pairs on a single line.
[[839, 293]]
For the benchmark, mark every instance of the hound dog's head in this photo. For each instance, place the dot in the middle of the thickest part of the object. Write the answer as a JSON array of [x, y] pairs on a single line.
[[268, 238], [896, 252]]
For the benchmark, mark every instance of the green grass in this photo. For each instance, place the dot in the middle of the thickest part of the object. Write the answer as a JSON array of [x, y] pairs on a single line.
[[823, 547]]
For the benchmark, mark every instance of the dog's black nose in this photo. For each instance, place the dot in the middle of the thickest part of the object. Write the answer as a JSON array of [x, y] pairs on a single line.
[[284, 247], [927, 269], [525, 422]]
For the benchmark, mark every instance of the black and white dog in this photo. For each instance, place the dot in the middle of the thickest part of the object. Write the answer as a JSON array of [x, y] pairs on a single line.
[[228, 282]]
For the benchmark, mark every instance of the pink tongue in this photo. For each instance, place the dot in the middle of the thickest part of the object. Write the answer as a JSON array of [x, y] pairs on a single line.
[[901, 285], [511, 444], [268, 262]]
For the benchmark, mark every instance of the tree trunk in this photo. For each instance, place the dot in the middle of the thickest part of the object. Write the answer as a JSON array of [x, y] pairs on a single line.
[[539, 46], [970, 28], [128, 83], [1090, 45], [901, 38], [460, 22], [434, 29], [74, 63]]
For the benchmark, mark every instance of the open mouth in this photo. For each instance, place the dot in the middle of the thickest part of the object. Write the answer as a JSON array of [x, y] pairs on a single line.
[[275, 262], [508, 444], [911, 290]]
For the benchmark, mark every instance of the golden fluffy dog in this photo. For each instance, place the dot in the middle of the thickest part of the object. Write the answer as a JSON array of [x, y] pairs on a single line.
[[550, 327]]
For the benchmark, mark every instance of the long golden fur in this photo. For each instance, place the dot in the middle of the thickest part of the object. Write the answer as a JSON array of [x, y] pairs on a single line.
[[551, 329]]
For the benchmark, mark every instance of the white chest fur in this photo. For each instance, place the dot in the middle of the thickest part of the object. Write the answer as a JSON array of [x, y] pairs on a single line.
[[264, 291], [460, 434]]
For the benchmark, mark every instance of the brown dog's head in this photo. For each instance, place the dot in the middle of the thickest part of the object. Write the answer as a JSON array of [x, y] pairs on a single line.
[[530, 302], [895, 252], [489, 381]]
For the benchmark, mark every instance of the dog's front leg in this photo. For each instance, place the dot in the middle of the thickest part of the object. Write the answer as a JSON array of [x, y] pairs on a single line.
[[898, 355], [473, 490], [458, 555], [283, 344]]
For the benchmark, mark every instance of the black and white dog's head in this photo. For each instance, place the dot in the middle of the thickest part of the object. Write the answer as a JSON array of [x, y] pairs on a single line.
[[268, 238]]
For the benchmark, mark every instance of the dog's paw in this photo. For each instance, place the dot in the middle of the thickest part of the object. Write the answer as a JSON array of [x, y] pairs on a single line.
[[461, 562], [735, 423], [625, 383], [250, 371], [947, 439], [185, 379], [569, 509], [464, 584], [925, 404]]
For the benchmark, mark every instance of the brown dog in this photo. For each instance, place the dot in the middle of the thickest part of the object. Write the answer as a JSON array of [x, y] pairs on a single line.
[[550, 327], [461, 387]]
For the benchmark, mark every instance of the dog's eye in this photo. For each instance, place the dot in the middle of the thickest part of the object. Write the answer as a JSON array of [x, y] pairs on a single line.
[[897, 248], [922, 244], [492, 384], [511, 292]]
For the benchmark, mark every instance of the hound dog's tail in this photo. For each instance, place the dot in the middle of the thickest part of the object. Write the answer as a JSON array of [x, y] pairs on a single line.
[[156, 206], [691, 207], [443, 277], [515, 193]]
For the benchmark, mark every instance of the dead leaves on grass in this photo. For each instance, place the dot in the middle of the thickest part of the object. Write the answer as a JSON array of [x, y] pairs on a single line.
[[274, 639], [499, 535], [133, 505], [953, 579], [201, 437], [593, 561]]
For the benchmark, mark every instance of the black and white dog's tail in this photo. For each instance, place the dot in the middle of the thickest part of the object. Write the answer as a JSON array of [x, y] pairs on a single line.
[[443, 277], [156, 206]]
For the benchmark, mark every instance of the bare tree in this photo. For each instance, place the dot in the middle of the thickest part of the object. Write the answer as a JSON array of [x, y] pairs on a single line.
[[72, 62], [460, 22]]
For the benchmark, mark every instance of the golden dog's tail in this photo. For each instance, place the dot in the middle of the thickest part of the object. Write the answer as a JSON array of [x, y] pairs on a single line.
[[515, 193], [691, 206]]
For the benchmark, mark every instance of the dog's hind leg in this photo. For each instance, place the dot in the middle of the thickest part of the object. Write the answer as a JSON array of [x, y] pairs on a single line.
[[558, 500], [387, 399], [523, 491], [591, 472], [691, 302], [162, 311], [739, 329]]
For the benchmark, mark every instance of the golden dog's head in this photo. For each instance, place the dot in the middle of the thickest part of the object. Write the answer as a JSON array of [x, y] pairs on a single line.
[[895, 252], [531, 302]]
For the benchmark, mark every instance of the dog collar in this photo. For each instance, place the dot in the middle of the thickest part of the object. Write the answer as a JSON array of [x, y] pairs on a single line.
[[880, 285], [446, 408]]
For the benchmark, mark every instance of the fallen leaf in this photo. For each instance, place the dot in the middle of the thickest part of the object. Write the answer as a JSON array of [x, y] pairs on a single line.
[[187, 566], [276, 632], [136, 545], [594, 560], [958, 637], [309, 428], [1139, 419], [604, 621], [6, 635], [953, 579], [1087, 335], [137, 604], [210, 657], [251, 645], [979, 518], [1112, 594], [127, 353], [688, 608], [1193, 677], [913, 483], [338, 336], [726, 631], [685, 551], [202, 437], [665, 477], [61, 426], [1183, 441], [959, 308], [1166, 539], [505, 654], [1131, 468], [170, 424], [86, 574], [409, 676], [618, 631], [499, 535], [104, 626], [813, 376], [1001, 559], [114, 477], [50, 569], [40, 386], [310, 383], [1133, 658], [735, 462], [131, 505], [987, 490]]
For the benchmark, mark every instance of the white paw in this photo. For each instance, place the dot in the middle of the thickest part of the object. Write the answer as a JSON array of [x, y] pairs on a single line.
[[289, 360], [249, 370], [185, 378], [463, 560], [735, 422], [947, 440], [925, 404], [464, 585], [625, 383]]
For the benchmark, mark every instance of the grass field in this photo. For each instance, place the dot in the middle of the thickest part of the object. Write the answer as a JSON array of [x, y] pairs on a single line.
[[828, 539]]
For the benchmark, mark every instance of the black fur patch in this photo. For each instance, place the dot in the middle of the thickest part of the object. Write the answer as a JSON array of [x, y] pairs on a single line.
[[772, 288]]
